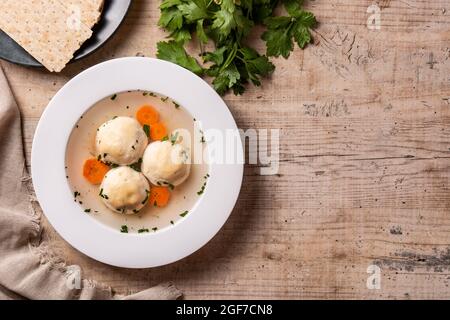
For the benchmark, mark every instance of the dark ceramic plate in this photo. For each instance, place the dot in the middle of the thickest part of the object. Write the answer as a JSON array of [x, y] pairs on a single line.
[[113, 14]]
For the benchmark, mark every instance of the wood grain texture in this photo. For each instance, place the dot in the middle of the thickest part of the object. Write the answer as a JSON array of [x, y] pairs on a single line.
[[365, 162]]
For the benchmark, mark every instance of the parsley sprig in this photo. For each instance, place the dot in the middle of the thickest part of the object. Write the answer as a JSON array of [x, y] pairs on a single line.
[[227, 23]]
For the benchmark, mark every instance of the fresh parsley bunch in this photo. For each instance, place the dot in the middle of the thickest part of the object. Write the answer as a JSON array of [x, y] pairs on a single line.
[[227, 23]]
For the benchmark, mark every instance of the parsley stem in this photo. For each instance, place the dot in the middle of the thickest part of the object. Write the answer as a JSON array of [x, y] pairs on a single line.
[[230, 58], [291, 24], [246, 67]]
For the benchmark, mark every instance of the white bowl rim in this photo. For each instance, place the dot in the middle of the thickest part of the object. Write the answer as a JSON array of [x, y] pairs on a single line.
[[54, 194]]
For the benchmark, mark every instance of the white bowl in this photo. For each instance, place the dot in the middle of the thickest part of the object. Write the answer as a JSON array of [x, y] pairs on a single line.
[[53, 191]]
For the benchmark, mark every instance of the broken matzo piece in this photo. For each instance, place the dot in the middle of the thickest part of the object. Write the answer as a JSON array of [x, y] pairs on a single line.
[[44, 28]]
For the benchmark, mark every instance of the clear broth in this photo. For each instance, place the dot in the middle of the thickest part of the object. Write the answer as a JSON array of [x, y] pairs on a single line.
[[81, 146]]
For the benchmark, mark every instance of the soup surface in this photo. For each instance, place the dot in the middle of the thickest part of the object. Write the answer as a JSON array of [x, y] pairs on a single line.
[[81, 147]]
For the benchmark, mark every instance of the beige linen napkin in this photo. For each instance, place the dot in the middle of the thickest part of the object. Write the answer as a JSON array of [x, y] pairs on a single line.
[[26, 271]]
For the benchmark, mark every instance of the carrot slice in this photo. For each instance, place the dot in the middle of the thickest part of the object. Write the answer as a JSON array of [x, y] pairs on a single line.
[[147, 115], [158, 131], [94, 171], [159, 196]]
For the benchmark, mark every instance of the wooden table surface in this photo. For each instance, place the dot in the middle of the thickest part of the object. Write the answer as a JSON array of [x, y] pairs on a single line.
[[365, 162]]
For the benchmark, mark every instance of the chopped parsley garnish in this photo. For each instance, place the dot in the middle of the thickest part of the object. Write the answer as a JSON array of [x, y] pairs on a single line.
[[104, 196], [184, 214], [177, 106], [166, 138], [87, 210], [76, 194], [114, 97], [124, 229], [136, 166], [202, 190], [155, 229], [174, 138], [164, 99], [146, 196], [171, 186], [143, 230], [147, 130], [171, 222], [115, 117]]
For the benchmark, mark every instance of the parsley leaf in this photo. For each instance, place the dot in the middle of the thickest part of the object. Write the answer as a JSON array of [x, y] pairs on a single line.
[[256, 66], [147, 130], [194, 10], [174, 52], [174, 138], [235, 67], [278, 36], [201, 33], [283, 30], [171, 19]]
